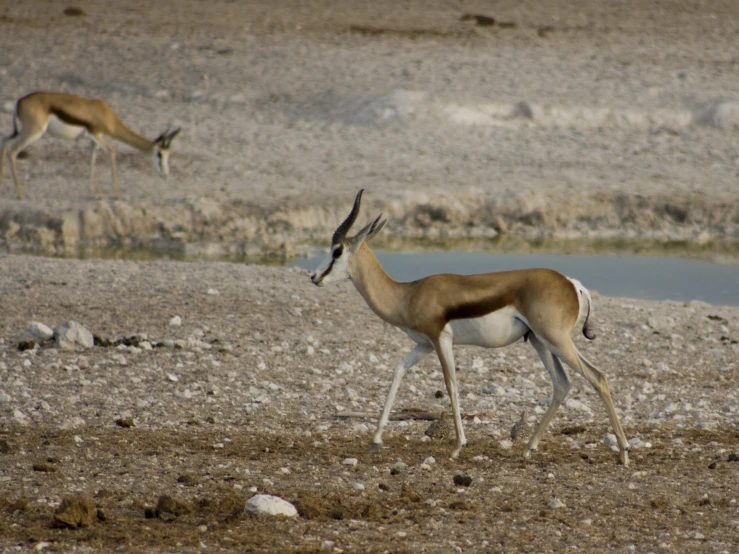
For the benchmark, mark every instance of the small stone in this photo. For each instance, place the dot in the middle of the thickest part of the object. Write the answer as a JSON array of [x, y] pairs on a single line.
[[39, 331], [661, 323], [71, 335], [176, 321], [168, 505], [462, 480], [358, 487], [430, 460], [611, 441], [72, 423], [267, 505], [125, 422], [350, 462], [74, 512], [555, 503], [505, 444], [45, 467], [20, 418]]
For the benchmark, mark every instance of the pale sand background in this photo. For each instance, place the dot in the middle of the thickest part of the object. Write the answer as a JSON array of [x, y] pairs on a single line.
[[288, 108]]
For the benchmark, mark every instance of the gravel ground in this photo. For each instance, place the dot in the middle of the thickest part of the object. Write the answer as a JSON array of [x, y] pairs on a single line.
[[241, 394]]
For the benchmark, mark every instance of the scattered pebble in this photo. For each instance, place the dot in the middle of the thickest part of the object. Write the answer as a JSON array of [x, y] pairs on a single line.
[[556, 503], [267, 505]]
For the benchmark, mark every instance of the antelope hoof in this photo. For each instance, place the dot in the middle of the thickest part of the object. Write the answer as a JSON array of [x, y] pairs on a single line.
[[375, 445], [457, 450], [625, 458]]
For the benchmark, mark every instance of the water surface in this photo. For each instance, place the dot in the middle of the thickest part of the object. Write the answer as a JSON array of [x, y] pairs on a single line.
[[645, 277]]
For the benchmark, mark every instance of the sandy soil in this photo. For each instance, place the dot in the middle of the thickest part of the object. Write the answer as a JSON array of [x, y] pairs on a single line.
[[563, 119]]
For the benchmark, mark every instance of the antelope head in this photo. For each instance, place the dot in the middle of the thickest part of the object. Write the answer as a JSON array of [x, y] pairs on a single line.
[[161, 151], [338, 265]]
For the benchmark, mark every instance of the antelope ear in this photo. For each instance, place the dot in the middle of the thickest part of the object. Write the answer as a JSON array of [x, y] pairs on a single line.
[[368, 231]]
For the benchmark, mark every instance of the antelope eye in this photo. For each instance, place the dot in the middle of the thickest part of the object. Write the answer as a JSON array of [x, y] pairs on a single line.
[[338, 252]]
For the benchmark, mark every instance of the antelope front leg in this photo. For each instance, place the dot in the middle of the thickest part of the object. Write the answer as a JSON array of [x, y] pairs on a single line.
[[446, 357], [411, 359]]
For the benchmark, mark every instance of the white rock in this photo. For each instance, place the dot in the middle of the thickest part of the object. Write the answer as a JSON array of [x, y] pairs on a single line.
[[497, 390], [505, 444], [350, 461], [70, 335], [358, 487], [661, 323], [20, 417], [430, 460], [176, 321], [267, 505], [611, 441], [577, 405], [39, 331], [555, 503], [213, 292], [72, 423]]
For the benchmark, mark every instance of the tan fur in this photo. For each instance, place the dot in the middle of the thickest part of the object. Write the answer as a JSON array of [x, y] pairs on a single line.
[[95, 116], [488, 310], [546, 298]]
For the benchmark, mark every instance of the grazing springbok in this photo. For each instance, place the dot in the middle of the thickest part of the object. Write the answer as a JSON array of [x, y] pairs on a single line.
[[489, 310], [68, 116]]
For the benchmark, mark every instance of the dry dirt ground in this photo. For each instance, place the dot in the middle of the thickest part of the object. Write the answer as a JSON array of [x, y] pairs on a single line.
[[243, 396], [566, 119]]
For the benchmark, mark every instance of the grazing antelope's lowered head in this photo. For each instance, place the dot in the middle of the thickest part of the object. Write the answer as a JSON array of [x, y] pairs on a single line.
[[338, 264], [161, 151]]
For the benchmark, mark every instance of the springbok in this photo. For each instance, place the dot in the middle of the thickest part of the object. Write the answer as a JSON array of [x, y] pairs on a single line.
[[68, 116], [491, 310]]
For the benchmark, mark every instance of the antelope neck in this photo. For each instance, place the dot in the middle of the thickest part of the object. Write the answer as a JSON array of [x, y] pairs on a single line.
[[385, 296]]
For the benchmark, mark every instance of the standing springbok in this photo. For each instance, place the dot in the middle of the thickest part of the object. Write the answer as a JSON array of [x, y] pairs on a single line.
[[67, 116], [489, 310]]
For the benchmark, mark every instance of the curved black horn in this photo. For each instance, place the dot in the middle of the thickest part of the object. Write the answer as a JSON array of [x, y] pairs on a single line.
[[168, 136], [343, 229]]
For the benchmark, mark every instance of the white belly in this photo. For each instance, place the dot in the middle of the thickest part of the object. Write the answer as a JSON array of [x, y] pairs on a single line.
[[494, 330], [57, 128]]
